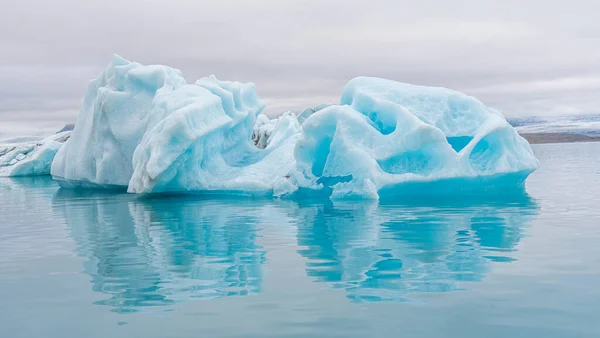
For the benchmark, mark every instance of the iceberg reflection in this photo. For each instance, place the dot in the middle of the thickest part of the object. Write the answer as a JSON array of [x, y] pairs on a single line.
[[158, 251], [385, 252], [144, 251]]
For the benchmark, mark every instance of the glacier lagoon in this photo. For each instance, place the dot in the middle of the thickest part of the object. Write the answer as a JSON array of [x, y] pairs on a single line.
[[77, 263], [183, 211]]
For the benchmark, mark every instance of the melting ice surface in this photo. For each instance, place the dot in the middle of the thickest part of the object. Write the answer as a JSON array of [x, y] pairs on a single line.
[[144, 129]]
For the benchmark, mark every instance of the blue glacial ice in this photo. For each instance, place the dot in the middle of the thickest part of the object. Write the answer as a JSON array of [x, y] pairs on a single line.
[[390, 138], [30, 158], [144, 129]]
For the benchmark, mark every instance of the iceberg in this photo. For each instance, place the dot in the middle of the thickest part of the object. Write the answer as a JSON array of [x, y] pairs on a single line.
[[146, 130], [390, 138], [31, 158]]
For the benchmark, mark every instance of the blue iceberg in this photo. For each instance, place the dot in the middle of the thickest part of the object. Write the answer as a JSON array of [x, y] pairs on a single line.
[[390, 138], [145, 129]]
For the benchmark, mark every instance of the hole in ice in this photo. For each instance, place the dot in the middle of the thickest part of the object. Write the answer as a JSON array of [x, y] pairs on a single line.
[[384, 124], [486, 152], [322, 150], [459, 142]]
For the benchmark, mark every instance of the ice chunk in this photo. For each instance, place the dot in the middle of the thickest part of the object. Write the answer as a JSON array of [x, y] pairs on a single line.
[[282, 126], [205, 143], [264, 126], [262, 131], [399, 139], [143, 128], [30, 158], [117, 110]]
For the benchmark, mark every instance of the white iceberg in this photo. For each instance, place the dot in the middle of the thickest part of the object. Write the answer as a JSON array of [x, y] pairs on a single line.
[[144, 129], [31, 158]]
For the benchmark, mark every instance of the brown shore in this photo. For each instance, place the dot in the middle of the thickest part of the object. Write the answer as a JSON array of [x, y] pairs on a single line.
[[536, 138]]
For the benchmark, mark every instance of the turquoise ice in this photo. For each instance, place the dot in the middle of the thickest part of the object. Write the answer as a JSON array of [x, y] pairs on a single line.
[[146, 130], [390, 138]]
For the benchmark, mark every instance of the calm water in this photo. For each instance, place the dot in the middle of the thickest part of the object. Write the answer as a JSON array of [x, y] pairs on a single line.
[[91, 264]]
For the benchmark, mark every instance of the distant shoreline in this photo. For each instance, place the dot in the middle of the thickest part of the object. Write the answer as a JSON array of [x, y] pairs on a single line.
[[539, 138]]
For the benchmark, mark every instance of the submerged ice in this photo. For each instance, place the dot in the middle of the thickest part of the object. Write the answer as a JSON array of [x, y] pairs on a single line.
[[143, 128]]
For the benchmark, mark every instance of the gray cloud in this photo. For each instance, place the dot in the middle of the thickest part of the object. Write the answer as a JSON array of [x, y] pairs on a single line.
[[528, 57]]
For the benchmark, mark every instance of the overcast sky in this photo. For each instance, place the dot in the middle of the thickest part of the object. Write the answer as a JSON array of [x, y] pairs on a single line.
[[525, 57]]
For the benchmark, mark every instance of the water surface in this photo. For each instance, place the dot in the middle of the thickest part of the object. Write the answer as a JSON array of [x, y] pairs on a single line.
[[97, 264]]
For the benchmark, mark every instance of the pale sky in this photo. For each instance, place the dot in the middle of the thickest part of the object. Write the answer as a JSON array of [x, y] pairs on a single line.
[[525, 57]]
